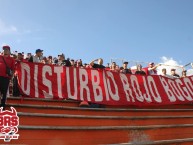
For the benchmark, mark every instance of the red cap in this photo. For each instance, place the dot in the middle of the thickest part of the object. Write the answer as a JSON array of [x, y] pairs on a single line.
[[6, 46]]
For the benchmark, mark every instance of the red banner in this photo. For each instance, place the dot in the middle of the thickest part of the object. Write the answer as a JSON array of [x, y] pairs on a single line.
[[101, 86]]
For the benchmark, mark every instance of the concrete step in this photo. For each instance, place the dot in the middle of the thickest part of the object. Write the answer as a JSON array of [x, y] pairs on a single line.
[[99, 111], [75, 103], [185, 141], [52, 135], [39, 119], [42, 101]]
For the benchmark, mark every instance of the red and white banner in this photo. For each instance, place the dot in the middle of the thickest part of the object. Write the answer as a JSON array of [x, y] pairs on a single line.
[[101, 86]]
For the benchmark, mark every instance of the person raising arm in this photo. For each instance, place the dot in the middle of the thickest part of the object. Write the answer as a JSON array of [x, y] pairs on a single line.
[[99, 65]]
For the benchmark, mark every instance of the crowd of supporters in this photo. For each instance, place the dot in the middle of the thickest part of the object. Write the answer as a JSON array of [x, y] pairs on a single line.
[[60, 60], [13, 58]]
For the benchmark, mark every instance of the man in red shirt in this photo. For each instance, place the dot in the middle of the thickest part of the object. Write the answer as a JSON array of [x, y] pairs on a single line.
[[5, 61]]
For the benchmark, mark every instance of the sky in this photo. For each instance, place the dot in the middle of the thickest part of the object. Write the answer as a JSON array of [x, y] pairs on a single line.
[[134, 30]]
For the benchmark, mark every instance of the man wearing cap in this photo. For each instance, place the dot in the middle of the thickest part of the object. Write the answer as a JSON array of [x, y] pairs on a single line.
[[36, 57], [126, 70], [5, 62], [173, 73], [152, 68]]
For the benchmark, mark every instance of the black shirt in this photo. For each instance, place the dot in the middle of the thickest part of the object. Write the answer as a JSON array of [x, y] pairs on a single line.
[[30, 59], [126, 71], [140, 73], [64, 63], [98, 66], [176, 75]]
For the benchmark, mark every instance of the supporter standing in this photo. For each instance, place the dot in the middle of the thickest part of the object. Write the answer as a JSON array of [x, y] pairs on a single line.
[[173, 73], [117, 68], [50, 61], [126, 70], [79, 63], [5, 62], [164, 73], [62, 61], [72, 62], [19, 59], [139, 70], [114, 67], [36, 57], [99, 65], [152, 68], [108, 65], [44, 60], [184, 75], [85, 65]]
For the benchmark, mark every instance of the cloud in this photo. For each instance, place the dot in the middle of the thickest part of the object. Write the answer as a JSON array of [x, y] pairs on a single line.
[[6, 29], [170, 63], [190, 72]]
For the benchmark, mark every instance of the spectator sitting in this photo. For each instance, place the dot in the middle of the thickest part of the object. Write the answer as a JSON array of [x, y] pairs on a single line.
[[99, 65], [184, 74], [125, 70], [152, 68], [139, 70], [173, 73], [36, 57]]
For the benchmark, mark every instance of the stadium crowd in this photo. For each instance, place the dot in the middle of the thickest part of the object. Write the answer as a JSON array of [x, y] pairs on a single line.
[[9, 60]]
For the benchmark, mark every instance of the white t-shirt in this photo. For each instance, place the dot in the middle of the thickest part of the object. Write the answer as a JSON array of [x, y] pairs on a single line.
[[169, 76], [36, 59], [152, 72]]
